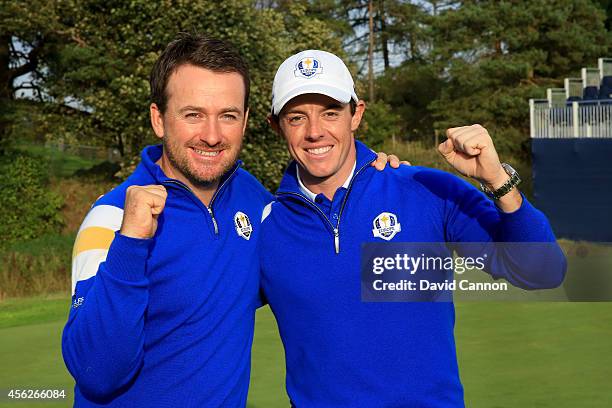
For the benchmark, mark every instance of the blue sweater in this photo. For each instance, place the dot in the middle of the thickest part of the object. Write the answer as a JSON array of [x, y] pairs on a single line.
[[342, 352], [167, 321]]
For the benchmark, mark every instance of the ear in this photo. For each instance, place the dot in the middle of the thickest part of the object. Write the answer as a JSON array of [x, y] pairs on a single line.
[[246, 119], [274, 125], [356, 119], [157, 120]]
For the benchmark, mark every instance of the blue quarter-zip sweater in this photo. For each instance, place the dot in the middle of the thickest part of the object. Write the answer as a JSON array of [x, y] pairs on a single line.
[[342, 352], [167, 321]]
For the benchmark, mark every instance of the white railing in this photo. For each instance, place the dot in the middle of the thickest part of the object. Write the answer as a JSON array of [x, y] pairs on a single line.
[[579, 119]]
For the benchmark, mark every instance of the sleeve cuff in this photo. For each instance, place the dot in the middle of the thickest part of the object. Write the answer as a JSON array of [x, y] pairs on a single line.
[[527, 224], [525, 207], [127, 257]]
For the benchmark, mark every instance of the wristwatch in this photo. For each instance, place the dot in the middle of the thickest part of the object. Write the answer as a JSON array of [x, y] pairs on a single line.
[[512, 182]]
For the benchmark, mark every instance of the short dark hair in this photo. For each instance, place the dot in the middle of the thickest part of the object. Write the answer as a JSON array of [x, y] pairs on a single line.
[[198, 50], [352, 104]]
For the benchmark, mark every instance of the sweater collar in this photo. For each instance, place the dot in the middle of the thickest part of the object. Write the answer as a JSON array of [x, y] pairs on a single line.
[[304, 190]]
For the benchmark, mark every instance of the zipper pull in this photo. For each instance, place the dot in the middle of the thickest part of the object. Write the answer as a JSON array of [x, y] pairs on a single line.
[[337, 240], [213, 220]]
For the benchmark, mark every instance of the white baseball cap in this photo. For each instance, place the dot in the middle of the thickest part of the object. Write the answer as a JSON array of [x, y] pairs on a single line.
[[312, 71]]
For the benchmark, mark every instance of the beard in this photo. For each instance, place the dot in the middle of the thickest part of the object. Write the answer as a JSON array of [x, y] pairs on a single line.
[[197, 173]]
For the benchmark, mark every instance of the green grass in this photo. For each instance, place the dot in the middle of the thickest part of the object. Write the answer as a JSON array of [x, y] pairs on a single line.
[[30, 343], [36, 266], [511, 355], [32, 359], [49, 242], [62, 164], [33, 311], [535, 354], [267, 387]]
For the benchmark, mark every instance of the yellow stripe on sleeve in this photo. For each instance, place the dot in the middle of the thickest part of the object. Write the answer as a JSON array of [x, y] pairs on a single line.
[[93, 238]]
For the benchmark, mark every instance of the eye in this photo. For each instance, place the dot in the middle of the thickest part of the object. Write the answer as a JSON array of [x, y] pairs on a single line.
[[295, 119], [192, 115], [332, 114], [229, 116]]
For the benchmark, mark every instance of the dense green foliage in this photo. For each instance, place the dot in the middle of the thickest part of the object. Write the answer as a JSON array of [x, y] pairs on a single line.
[[444, 63], [29, 208], [94, 81], [438, 63], [379, 124], [496, 55]]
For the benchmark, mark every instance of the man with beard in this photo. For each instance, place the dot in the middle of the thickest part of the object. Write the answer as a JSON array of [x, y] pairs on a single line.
[[164, 303]]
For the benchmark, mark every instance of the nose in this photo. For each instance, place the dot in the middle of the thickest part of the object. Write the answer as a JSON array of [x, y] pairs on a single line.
[[315, 131], [211, 132]]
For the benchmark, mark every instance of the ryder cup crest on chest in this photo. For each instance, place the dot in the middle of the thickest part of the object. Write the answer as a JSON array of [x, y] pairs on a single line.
[[385, 226], [243, 225]]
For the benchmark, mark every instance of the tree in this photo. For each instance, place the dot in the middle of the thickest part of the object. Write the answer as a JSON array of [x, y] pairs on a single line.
[[95, 76], [379, 124], [409, 90], [606, 5], [496, 55], [29, 34], [356, 22]]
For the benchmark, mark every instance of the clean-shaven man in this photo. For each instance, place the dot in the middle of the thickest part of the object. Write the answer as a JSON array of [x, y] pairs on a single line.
[[340, 351]]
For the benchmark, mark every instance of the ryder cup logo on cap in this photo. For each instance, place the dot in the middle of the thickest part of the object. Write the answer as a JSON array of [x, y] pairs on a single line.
[[312, 71], [308, 67]]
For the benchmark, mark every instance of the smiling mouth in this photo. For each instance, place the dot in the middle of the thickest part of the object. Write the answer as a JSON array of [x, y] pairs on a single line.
[[206, 153], [319, 150]]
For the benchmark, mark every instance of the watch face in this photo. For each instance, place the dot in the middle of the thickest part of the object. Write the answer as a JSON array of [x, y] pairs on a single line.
[[509, 169]]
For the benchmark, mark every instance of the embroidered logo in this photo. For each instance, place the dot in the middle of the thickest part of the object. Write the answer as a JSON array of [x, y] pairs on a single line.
[[386, 225], [308, 67], [243, 225], [77, 302]]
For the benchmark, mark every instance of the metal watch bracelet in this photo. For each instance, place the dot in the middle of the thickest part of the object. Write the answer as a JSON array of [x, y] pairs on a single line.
[[512, 182]]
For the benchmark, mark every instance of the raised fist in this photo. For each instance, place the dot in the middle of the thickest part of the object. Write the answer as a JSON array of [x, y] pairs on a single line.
[[470, 150], [143, 204]]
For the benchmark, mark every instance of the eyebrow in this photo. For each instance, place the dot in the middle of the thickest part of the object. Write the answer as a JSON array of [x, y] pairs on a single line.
[[333, 105], [228, 109], [234, 109]]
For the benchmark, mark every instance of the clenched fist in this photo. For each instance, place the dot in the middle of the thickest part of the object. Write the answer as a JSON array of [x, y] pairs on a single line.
[[470, 150], [143, 204]]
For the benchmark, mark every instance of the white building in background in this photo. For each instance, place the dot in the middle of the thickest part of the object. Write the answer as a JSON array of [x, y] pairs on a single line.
[[582, 109]]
